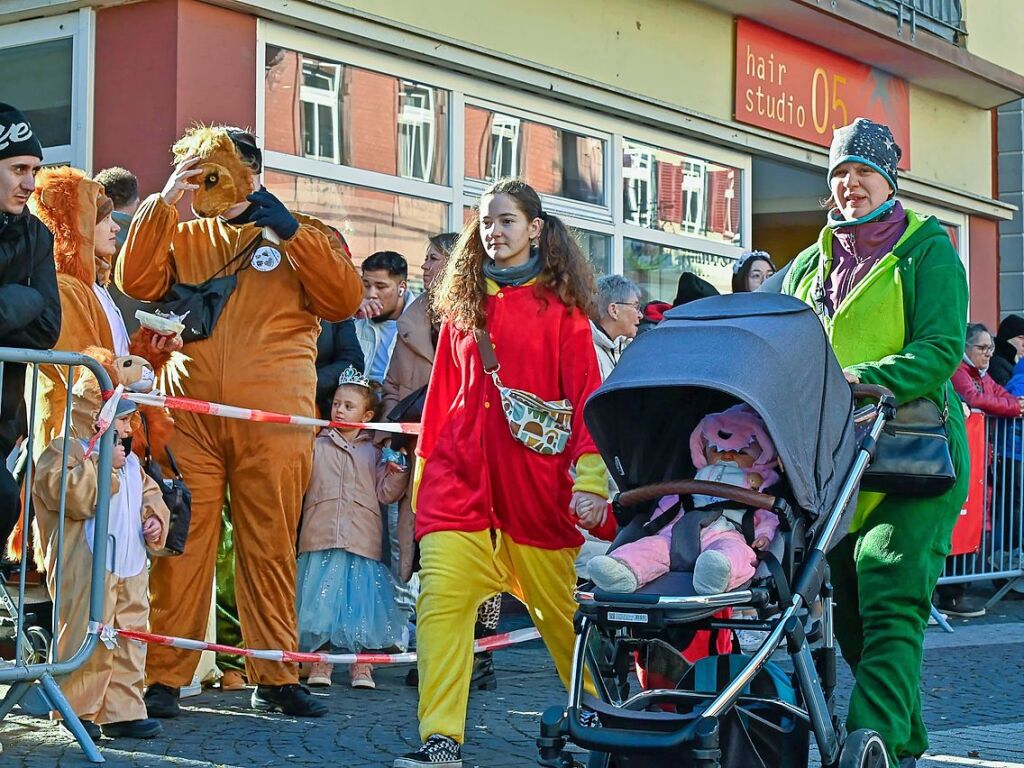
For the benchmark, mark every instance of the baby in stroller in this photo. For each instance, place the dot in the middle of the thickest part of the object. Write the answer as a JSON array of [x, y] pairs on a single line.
[[730, 447]]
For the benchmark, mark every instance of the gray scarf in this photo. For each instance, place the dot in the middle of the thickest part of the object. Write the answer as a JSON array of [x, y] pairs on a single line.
[[518, 275]]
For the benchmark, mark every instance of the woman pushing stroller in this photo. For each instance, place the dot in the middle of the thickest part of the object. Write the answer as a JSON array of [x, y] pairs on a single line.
[[891, 292]]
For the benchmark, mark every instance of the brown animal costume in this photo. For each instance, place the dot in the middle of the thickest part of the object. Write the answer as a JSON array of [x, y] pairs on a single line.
[[108, 687], [70, 205], [260, 355]]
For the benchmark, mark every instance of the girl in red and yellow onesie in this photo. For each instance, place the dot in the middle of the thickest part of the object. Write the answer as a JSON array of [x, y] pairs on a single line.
[[491, 514]]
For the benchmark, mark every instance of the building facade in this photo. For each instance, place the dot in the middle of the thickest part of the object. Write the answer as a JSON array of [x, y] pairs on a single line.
[[672, 134]]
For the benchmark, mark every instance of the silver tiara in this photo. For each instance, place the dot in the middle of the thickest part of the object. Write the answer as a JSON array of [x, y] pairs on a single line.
[[352, 376]]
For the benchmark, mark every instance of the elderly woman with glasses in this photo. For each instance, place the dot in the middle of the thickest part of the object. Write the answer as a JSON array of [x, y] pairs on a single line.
[[972, 382], [617, 317]]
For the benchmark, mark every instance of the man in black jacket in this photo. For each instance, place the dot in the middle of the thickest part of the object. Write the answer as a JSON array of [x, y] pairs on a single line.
[[29, 302], [336, 349]]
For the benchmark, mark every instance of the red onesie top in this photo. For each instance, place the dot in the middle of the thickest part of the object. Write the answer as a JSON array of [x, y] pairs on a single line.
[[476, 475]]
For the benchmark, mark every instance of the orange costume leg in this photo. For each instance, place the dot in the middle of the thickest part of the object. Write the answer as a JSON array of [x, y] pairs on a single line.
[[180, 586], [122, 701], [269, 467]]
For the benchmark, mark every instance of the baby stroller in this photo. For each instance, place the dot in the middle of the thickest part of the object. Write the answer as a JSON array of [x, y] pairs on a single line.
[[771, 352]]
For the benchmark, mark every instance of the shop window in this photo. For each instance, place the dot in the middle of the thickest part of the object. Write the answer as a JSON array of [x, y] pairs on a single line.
[[656, 268], [38, 80], [370, 220], [331, 111], [677, 194], [598, 250], [553, 160]]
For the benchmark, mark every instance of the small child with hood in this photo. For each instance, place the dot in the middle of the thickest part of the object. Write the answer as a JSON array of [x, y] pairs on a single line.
[[106, 691], [730, 447]]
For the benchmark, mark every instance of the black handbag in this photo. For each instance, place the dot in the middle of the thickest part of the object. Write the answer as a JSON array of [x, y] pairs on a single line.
[[408, 410], [200, 306], [912, 457], [177, 497]]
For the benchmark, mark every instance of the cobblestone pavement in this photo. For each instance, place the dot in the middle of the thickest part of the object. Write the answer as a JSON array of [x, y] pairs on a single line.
[[973, 694]]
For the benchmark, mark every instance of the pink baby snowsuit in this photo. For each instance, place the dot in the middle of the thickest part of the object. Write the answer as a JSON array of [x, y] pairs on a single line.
[[734, 429]]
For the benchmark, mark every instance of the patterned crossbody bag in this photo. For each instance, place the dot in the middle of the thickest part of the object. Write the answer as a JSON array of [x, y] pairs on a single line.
[[543, 426]]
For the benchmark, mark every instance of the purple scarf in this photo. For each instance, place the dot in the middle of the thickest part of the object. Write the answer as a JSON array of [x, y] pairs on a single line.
[[856, 249]]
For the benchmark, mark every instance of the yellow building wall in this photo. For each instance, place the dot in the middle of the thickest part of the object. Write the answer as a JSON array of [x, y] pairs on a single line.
[[951, 142], [683, 53], [671, 50], [993, 31]]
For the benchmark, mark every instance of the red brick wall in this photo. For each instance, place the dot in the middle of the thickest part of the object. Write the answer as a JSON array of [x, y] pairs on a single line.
[[162, 65], [984, 250]]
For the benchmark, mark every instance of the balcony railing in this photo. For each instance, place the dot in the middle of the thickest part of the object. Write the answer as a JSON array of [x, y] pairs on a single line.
[[939, 17]]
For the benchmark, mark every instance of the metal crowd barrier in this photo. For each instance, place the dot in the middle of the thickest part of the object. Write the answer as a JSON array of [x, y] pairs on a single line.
[[34, 682], [999, 554]]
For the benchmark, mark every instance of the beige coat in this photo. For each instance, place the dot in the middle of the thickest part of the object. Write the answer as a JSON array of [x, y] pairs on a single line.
[[108, 687], [410, 369], [341, 509]]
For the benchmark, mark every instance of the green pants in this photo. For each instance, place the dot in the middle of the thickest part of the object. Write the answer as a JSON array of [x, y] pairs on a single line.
[[883, 576]]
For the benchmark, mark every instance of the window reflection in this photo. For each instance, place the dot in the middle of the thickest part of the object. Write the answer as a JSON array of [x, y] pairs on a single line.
[[656, 268], [326, 110], [37, 79], [369, 219], [552, 160], [683, 195]]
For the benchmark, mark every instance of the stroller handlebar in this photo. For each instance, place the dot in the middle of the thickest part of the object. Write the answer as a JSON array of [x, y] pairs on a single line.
[[743, 496], [873, 392]]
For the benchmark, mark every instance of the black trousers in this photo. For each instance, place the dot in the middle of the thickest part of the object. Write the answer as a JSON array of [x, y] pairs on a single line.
[[10, 492]]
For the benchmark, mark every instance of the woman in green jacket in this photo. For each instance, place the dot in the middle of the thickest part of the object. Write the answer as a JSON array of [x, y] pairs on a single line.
[[892, 294]]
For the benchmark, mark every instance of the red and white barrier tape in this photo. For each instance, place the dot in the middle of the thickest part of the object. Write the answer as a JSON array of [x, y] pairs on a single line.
[[110, 634], [253, 414]]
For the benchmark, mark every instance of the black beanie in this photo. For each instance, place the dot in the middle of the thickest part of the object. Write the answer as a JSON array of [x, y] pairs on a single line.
[[691, 288], [867, 142], [1011, 327], [247, 147], [16, 135]]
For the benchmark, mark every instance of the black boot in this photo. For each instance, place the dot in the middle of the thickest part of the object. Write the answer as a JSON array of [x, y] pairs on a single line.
[[162, 701], [412, 677], [90, 728], [484, 678], [294, 700], [133, 729]]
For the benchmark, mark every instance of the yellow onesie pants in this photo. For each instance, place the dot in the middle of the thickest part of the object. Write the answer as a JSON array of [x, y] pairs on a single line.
[[458, 571]]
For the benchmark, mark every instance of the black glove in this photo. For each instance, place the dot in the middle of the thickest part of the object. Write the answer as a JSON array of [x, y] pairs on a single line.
[[270, 212]]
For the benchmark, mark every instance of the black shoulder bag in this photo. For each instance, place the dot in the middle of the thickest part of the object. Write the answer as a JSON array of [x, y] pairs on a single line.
[[201, 305], [912, 457], [177, 497]]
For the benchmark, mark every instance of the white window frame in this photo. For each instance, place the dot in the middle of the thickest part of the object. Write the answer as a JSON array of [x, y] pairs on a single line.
[[325, 97], [417, 133], [80, 26], [461, 192]]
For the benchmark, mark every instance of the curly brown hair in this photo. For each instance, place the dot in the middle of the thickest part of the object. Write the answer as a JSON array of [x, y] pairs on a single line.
[[566, 272]]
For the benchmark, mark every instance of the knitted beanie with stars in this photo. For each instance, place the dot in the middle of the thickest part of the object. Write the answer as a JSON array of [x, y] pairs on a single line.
[[867, 142]]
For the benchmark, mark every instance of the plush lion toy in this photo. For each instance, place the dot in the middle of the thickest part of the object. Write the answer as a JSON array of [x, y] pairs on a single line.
[[226, 156]]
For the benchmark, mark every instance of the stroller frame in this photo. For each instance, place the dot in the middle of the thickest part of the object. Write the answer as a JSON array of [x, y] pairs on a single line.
[[700, 732]]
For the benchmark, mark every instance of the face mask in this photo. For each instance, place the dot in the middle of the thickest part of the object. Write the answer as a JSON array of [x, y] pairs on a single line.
[[727, 472]]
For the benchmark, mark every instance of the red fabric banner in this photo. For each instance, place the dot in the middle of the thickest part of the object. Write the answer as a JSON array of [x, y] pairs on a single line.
[[967, 533]]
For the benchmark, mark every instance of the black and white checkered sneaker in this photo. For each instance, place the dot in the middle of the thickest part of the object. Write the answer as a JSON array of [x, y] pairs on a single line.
[[439, 751]]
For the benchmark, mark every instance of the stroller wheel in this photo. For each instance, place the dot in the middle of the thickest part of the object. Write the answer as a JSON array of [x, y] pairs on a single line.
[[38, 648], [863, 749]]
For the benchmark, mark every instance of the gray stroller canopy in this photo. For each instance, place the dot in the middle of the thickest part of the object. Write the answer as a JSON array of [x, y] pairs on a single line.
[[767, 350]]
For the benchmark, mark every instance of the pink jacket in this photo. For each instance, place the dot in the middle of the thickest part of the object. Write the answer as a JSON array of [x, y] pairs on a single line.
[[341, 509], [981, 392]]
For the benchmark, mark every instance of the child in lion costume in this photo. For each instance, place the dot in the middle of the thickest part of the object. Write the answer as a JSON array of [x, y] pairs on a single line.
[[260, 354]]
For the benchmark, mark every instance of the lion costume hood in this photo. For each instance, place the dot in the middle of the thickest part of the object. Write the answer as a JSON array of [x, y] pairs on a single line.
[[70, 204], [228, 158]]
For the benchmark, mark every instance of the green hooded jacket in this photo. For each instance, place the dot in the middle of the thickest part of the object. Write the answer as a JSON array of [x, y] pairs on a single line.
[[901, 327]]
